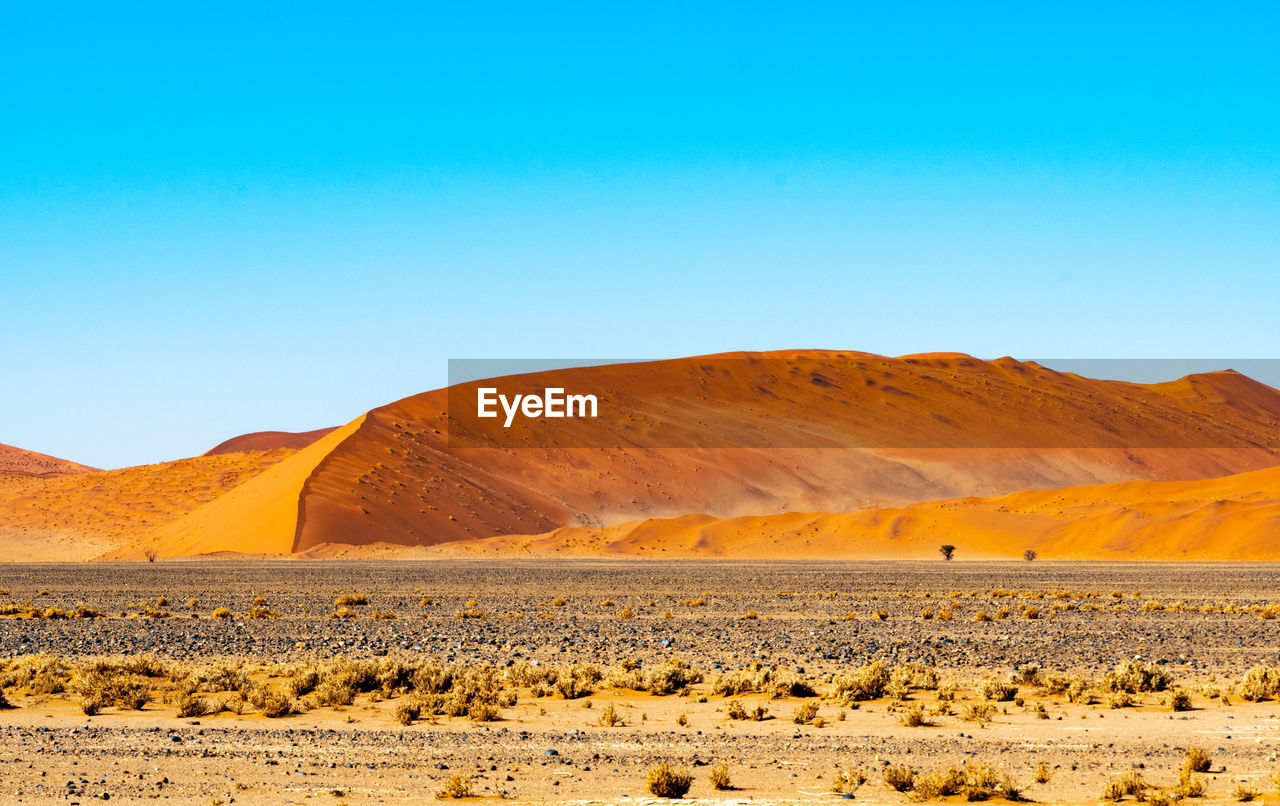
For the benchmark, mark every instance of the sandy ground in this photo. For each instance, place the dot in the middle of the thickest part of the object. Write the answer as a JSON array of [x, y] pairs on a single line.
[[548, 749]]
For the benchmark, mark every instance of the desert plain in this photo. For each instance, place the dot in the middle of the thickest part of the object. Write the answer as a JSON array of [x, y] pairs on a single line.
[[295, 681]]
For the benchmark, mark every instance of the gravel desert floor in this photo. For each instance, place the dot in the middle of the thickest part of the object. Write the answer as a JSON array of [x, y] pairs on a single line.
[[280, 681]]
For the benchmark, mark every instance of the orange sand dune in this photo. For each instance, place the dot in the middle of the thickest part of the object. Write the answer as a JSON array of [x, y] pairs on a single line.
[[800, 431], [749, 434], [1232, 518], [248, 519], [29, 463], [932, 427], [269, 441], [77, 517]]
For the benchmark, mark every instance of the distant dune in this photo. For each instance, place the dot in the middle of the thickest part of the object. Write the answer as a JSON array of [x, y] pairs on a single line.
[[29, 463], [269, 441], [799, 431], [83, 515]]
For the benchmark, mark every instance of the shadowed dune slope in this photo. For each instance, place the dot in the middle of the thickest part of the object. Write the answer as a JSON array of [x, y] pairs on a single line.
[[1232, 518], [29, 463], [269, 441], [777, 432]]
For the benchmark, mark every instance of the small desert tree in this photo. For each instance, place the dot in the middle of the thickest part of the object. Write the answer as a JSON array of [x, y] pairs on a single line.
[[947, 551], [1029, 555]]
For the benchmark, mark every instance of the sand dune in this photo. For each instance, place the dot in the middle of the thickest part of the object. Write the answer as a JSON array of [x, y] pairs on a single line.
[[1231, 518], [29, 463], [80, 516], [778, 432], [269, 441], [752, 434], [257, 517], [773, 433]]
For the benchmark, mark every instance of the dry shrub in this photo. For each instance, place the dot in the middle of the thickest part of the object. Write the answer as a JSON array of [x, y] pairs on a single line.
[[937, 784], [408, 711], [1120, 699], [915, 676], [1189, 786], [804, 714], [455, 788], [1062, 683], [846, 782], [1128, 784], [1197, 760], [91, 704], [899, 777], [996, 691], [667, 781], [736, 710], [480, 710], [1028, 674], [1245, 793], [719, 777], [760, 679], [272, 704], [221, 612], [111, 684], [1178, 700], [867, 683], [675, 675], [980, 712], [1136, 677], [1042, 773], [914, 717], [610, 717], [576, 681], [983, 782], [351, 600], [221, 676], [1261, 683], [190, 706]]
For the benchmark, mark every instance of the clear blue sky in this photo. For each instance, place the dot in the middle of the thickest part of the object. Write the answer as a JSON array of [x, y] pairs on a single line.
[[218, 219]]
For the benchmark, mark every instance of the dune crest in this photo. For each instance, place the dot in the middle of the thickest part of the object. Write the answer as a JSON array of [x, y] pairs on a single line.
[[269, 441], [29, 463]]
